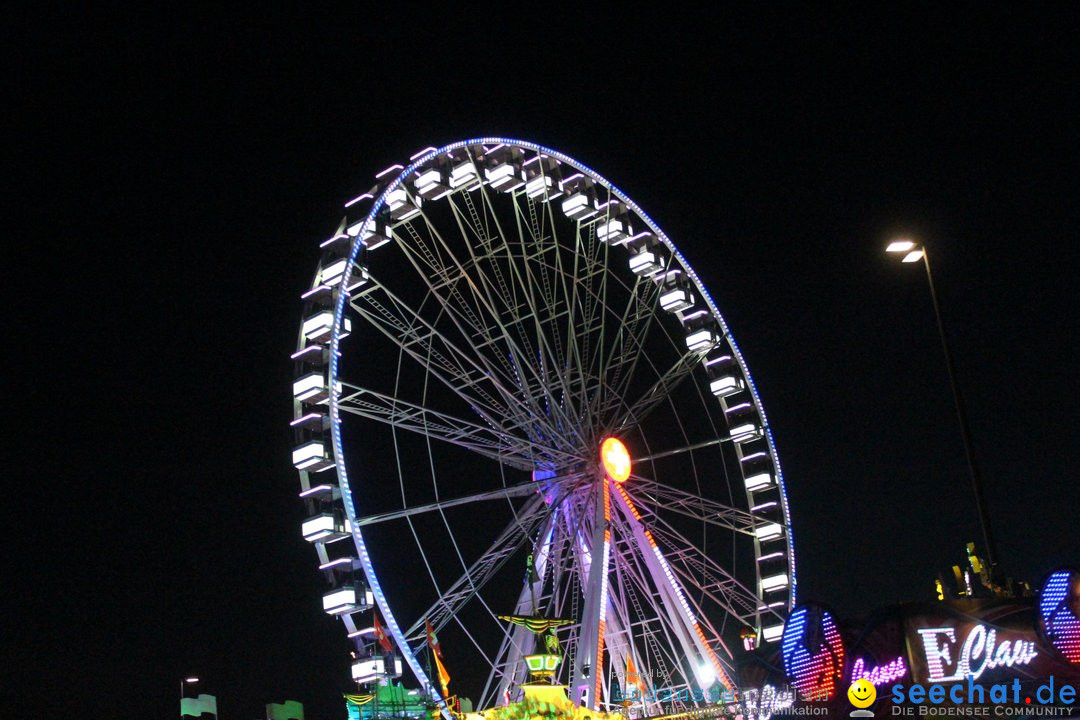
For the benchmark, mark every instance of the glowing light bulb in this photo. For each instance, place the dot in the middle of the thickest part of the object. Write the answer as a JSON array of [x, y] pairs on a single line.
[[616, 459]]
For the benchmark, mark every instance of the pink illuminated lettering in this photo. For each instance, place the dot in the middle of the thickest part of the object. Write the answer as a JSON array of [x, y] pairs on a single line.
[[880, 675]]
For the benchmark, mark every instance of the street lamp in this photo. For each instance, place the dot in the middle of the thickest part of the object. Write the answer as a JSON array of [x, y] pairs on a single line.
[[913, 252]]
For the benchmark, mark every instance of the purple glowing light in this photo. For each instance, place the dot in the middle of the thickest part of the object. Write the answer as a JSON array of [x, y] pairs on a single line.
[[880, 675]]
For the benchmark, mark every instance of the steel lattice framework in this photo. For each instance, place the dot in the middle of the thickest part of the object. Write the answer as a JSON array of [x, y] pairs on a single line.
[[480, 322]]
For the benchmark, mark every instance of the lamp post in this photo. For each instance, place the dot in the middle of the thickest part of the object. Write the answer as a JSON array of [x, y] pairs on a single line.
[[183, 682], [913, 252]]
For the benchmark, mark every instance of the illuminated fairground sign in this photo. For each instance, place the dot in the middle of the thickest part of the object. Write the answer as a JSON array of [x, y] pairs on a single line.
[[1059, 613], [881, 674], [813, 651], [988, 639], [979, 651]]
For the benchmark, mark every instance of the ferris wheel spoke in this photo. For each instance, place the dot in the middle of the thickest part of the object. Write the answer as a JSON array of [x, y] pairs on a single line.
[[705, 573], [519, 490], [540, 315], [659, 391], [567, 283], [671, 499], [448, 272], [477, 319], [444, 281], [539, 270], [495, 402], [469, 584], [492, 443], [507, 285], [429, 348], [497, 248], [552, 355], [618, 366], [586, 344], [541, 273], [550, 370], [680, 450], [568, 309], [586, 330]]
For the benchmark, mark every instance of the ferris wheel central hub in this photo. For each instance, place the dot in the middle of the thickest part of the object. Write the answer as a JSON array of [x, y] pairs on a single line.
[[616, 459]]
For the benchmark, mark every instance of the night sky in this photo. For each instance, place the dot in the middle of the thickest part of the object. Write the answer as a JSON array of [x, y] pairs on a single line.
[[170, 177]]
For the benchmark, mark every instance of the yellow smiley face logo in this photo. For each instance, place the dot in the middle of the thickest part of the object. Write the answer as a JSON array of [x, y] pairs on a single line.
[[862, 693]]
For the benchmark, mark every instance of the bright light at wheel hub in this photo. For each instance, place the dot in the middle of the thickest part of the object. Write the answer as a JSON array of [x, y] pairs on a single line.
[[616, 459]]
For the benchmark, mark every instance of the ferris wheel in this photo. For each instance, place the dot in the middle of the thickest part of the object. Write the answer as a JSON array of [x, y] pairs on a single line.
[[515, 396]]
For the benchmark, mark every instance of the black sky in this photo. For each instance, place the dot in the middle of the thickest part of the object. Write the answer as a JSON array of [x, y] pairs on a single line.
[[170, 176]]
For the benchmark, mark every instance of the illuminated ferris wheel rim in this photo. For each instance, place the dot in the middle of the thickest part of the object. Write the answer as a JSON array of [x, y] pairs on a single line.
[[342, 304]]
